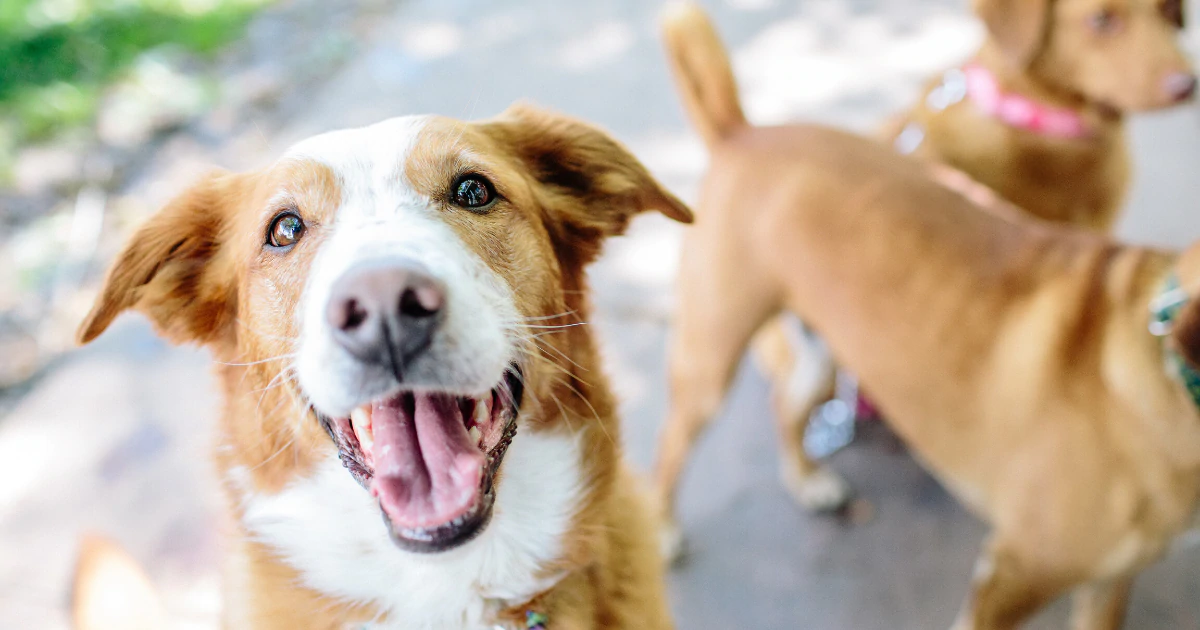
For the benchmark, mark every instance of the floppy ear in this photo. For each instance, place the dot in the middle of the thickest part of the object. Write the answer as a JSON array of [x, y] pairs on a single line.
[[592, 185], [1017, 26], [1186, 333], [170, 269], [1174, 12]]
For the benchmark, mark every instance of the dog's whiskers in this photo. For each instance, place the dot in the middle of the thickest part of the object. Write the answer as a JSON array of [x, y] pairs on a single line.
[[560, 326], [541, 318], [290, 355], [263, 335]]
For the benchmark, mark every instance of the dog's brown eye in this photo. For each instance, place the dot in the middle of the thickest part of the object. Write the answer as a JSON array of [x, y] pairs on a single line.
[[1172, 11], [1105, 21], [473, 192], [285, 231]]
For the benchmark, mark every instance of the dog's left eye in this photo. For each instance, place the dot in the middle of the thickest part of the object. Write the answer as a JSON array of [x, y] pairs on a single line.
[[1105, 21], [286, 230], [473, 192]]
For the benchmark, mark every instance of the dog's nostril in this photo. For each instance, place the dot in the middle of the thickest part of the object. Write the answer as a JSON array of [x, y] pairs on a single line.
[[354, 315], [420, 301]]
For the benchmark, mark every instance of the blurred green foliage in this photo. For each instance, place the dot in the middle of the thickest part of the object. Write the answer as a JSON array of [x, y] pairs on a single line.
[[56, 56]]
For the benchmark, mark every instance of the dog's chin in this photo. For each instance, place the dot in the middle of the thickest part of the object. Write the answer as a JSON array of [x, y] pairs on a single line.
[[430, 459], [1117, 107]]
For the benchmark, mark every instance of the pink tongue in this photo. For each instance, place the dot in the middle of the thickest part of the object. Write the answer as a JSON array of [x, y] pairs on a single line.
[[427, 471]]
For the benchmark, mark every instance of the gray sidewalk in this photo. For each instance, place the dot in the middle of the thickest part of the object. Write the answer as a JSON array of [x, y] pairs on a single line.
[[114, 438]]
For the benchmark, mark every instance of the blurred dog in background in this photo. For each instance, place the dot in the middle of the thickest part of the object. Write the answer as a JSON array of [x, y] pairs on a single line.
[[1039, 113]]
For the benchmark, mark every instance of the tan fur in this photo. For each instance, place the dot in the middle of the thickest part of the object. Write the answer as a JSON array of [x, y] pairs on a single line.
[[1011, 355], [1045, 50], [199, 270]]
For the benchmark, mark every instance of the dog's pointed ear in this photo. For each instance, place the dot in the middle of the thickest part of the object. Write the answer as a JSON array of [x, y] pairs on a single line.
[[1017, 26], [592, 185], [171, 271]]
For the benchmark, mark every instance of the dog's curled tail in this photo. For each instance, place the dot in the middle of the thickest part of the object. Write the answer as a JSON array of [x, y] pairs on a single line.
[[702, 71]]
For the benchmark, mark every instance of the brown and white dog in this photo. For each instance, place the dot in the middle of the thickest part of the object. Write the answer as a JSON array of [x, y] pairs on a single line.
[[416, 431], [1015, 357]]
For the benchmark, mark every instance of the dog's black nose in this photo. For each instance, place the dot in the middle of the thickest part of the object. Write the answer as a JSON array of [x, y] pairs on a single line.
[[385, 312], [1180, 86]]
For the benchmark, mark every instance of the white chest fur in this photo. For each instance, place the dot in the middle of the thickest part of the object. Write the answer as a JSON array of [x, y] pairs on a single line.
[[330, 530]]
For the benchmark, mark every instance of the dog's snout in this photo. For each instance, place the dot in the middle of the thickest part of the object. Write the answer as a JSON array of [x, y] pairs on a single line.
[[385, 312], [1180, 86]]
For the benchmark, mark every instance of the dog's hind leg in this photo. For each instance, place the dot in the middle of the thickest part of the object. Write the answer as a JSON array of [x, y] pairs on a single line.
[[803, 377], [1101, 606], [718, 310]]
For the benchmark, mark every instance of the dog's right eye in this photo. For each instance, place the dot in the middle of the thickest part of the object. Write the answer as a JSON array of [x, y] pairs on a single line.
[[1105, 21], [473, 192], [285, 230]]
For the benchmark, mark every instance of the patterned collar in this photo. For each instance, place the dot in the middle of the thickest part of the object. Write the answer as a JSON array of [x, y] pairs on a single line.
[[533, 621], [1164, 309]]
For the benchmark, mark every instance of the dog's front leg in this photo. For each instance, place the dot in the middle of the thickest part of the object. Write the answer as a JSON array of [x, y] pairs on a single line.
[[1010, 585], [1102, 605], [719, 308]]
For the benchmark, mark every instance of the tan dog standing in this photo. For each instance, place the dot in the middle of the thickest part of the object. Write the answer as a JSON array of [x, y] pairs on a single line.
[[416, 432], [1014, 357], [1038, 115]]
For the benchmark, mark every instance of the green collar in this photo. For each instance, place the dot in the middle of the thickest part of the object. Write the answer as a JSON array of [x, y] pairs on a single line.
[[533, 621], [1164, 308]]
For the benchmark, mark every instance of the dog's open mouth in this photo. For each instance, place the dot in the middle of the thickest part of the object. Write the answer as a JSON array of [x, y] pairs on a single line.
[[430, 458]]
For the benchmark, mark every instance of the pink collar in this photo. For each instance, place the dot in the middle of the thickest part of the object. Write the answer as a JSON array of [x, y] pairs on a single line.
[[1020, 111]]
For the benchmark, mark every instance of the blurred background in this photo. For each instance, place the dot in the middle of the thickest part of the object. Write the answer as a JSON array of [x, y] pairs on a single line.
[[109, 107]]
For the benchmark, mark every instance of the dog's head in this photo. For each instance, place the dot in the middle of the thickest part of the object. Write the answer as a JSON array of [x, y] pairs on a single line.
[[399, 280], [1123, 54]]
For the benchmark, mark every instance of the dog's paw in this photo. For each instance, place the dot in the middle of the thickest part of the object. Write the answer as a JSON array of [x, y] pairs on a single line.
[[670, 540], [820, 491]]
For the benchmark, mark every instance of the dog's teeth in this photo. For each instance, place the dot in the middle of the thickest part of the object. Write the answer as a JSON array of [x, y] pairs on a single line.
[[361, 421], [481, 413], [476, 434]]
